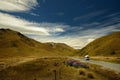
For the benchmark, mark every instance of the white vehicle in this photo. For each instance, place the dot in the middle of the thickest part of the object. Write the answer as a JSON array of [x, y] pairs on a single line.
[[87, 57]]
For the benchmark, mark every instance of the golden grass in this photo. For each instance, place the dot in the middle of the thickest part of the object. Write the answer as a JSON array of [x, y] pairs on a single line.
[[108, 59], [16, 44], [108, 45], [45, 68], [104, 73]]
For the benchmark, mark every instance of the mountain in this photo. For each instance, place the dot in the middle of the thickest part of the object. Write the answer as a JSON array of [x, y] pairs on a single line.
[[108, 45], [13, 43]]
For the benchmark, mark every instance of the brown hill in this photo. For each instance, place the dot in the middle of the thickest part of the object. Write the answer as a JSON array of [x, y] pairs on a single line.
[[13, 43], [108, 45]]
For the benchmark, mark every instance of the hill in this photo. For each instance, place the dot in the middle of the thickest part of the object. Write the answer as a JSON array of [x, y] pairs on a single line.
[[108, 45], [13, 44]]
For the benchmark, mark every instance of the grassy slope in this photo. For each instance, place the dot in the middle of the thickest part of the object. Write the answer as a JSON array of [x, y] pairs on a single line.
[[14, 44], [43, 69], [105, 46]]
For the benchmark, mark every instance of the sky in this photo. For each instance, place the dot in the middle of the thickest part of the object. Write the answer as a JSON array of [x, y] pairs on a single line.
[[74, 22]]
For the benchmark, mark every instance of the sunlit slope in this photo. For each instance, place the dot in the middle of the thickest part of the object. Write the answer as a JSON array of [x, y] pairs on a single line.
[[108, 45], [13, 44]]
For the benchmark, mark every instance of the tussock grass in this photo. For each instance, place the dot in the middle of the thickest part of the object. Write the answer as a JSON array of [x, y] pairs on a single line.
[[46, 69], [104, 73], [82, 72], [16, 44], [90, 75], [108, 45]]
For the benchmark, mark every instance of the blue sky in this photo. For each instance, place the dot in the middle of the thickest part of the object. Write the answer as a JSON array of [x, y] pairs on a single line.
[[74, 22]]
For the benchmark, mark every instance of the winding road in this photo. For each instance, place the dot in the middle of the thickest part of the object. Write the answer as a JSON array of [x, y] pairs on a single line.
[[108, 65]]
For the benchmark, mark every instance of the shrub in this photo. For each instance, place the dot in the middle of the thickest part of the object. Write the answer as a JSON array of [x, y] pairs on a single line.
[[90, 75], [75, 63], [81, 73]]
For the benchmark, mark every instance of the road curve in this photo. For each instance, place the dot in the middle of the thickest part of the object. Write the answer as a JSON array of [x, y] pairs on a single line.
[[108, 65]]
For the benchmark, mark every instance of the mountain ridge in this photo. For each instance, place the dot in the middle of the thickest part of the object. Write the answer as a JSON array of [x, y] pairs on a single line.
[[108, 45], [13, 43]]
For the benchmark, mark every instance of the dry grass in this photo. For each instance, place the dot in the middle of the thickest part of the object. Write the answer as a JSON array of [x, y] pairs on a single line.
[[16, 44], [45, 68], [104, 73], [108, 59], [108, 45]]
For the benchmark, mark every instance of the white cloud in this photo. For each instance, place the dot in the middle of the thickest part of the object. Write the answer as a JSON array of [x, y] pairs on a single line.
[[27, 27], [46, 32], [89, 15], [33, 14], [81, 39], [58, 29], [17, 5], [76, 40], [101, 31], [73, 41], [90, 40], [75, 36]]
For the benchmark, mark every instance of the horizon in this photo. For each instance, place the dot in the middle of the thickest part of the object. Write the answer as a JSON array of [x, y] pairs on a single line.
[[75, 22]]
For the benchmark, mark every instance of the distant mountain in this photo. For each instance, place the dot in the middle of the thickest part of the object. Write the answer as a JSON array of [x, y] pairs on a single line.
[[13, 43], [108, 45]]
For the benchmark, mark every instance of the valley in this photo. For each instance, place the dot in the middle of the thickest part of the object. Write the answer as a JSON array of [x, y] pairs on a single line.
[[22, 58]]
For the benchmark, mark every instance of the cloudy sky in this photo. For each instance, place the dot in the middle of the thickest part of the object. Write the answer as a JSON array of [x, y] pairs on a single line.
[[74, 22]]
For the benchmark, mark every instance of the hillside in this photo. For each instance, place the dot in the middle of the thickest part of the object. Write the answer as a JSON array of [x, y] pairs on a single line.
[[13, 44], [108, 45]]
